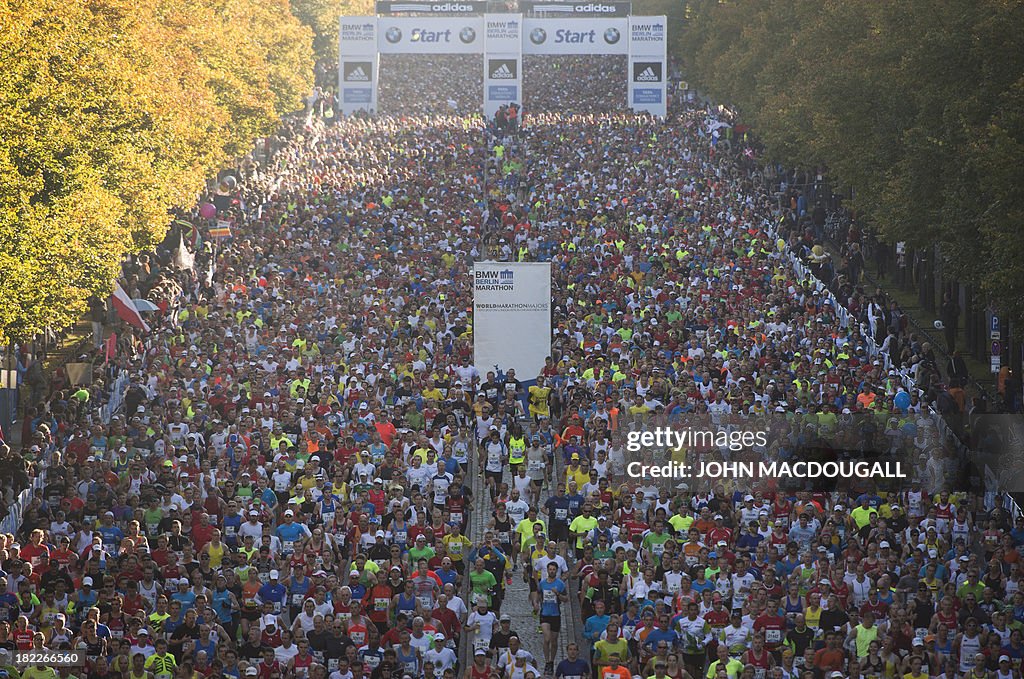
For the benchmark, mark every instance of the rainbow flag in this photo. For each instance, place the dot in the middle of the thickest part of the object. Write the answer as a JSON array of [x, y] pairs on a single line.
[[222, 230]]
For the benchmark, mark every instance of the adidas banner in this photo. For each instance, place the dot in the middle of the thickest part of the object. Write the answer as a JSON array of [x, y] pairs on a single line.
[[609, 8], [576, 36], [647, 72], [647, 65], [357, 72], [465, 8], [503, 61], [511, 316], [430, 35], [357, 65]]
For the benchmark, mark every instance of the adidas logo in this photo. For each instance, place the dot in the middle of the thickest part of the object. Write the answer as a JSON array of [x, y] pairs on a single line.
[[648, 76], [357, 75], [503, 72]]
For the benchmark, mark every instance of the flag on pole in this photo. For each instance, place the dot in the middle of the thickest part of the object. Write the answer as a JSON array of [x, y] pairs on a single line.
[[222, 230], [125, 308], [110, 348], [183, 259], [191, 233]]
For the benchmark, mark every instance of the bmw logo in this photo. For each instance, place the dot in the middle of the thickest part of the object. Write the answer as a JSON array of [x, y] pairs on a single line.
[[611, 36], [467, 35], [538, 36], [393, 34]]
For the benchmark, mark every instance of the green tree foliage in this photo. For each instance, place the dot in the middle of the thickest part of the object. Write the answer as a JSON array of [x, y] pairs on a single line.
[[914, 105], [111, 113]]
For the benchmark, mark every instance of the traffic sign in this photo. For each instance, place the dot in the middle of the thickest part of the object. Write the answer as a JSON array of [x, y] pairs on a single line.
[[994, 330], [997, 349]]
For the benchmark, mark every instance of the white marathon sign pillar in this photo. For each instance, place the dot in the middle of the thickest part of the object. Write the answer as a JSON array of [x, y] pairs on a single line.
[[511, 316], [357, 64], [647, 64], [503, 61]]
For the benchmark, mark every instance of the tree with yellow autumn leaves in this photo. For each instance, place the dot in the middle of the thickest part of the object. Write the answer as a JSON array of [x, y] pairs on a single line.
[[112, 112]]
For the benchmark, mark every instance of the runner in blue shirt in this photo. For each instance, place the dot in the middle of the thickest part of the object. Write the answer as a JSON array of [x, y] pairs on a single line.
[[573, 667], [552, 594], [274, 592], [290, 532]]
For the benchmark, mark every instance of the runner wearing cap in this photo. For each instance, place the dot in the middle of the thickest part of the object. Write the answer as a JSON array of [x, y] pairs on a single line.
[[480, 669]]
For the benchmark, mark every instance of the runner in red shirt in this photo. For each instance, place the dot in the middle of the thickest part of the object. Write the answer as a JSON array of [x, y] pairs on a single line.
[[772, 625]]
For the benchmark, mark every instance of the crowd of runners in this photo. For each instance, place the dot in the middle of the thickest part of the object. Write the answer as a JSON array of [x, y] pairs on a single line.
[[286, 490], [453, 84]]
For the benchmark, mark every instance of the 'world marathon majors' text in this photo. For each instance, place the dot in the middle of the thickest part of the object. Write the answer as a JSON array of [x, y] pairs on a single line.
[[512, 306]]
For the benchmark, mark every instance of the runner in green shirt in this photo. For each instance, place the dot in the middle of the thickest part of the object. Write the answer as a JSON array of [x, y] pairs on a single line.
[[482, 581], [582, 525], [654, 542]]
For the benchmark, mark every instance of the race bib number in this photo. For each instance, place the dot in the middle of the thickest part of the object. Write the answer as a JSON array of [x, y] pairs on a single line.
[[561, 514], [426, 601], [456, 517], [332, 664], [277, 607], [549, 596], [773, 636], [380, 604], [288, 546], [230, 531], [504, 538], [297, 599]]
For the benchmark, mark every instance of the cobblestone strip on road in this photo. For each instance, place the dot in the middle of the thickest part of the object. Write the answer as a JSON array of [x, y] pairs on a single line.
[[517, 596], [474, 533]]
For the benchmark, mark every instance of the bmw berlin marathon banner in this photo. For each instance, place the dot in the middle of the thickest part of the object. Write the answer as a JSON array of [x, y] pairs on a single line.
[[647, 64], [357, 64], [576, 36], [430, 35], [511, 316], [503, 61]]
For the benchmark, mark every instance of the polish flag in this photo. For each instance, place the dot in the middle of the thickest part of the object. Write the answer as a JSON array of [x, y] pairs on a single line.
[[126, 308]]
